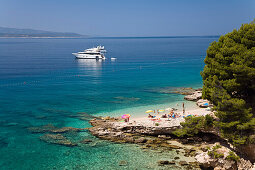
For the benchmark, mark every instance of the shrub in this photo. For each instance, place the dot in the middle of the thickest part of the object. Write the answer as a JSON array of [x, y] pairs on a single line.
[[233, 157], [193, 125], [213, 153]]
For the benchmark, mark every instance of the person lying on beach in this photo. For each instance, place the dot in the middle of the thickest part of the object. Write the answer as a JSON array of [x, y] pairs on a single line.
[[150, 116], [164, 116]]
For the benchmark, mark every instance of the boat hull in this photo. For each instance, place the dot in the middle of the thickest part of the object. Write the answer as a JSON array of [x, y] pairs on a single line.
[[86, 56]]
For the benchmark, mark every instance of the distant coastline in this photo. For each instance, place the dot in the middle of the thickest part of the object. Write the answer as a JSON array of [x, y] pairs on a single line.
[[135, 37], [38, 37], [6, 32]]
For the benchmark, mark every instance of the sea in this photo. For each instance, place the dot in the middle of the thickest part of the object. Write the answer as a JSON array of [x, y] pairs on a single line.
[[42, 83]]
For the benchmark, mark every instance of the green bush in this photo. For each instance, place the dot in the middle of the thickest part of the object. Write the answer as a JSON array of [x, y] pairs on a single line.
[[193, 125], [233, 157], [208, 121], [213, 153]]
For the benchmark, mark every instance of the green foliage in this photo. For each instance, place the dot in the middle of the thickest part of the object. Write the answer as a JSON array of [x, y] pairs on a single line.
[[213, 153], [156, 124], [216, 147], [208, 120], [193, 125], [229, 82], [233, 157]]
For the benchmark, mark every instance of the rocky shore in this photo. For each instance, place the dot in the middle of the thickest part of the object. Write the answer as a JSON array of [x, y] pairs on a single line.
[[207, 152]]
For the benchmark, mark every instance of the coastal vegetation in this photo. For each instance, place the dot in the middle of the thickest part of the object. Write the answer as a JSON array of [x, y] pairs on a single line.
[[229, 84], [193, 125]]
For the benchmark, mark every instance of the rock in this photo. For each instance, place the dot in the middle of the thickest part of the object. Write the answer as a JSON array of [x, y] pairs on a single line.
[[217, 158], [51, 128], [244, 164], [85, 141], [165, 162], [174, 147], [202, 103], [65, 129], [140, 140], [57, 139], [183, 163], [171, 162], [123, 163], [194, 96], [161, 136], [106, 118], [162, 162], [184, 91], [84, 116], [129, 139], [204, 148], [41, 129]]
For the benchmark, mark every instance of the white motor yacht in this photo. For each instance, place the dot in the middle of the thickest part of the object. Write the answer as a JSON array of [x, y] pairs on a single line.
[[91, 53]]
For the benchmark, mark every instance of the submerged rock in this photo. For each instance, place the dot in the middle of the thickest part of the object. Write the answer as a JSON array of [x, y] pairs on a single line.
[[57, 139], [52, 129], [183, 163], [171, 90], [126, 99], [85, 141], [41, 129], [165, 162], [123, 163], [65, 129]]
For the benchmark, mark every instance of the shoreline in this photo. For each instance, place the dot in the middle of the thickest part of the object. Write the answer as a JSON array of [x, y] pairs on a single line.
[[158, 133], [139, 111]]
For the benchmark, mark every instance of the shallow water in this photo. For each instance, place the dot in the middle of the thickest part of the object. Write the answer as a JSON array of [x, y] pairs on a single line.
[[42, 83]]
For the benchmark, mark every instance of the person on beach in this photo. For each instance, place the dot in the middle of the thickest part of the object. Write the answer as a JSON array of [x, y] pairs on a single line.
[[183, 107], [164, 116], [169, 116]]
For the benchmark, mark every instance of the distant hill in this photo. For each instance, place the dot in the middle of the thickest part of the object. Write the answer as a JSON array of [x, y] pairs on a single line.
[[23, 33]]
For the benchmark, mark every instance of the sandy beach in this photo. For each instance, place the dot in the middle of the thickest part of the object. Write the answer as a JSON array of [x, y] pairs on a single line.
[[158, 121]]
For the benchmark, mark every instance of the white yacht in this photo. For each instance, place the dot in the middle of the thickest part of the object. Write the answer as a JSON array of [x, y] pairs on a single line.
[[98, 49], [91, 53]]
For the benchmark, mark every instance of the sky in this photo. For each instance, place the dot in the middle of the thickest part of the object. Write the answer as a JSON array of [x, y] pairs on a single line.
[[128, 17]]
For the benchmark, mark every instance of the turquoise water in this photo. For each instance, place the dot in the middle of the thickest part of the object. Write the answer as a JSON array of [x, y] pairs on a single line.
[[42, 83]]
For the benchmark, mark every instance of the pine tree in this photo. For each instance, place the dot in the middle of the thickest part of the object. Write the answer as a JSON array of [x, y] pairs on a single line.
[[229, 82]]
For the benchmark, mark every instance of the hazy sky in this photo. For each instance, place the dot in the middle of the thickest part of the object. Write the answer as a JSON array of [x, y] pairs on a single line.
[[128, 17]]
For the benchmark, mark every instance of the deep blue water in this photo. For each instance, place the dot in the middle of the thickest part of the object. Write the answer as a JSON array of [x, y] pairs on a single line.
[[41, 78]]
